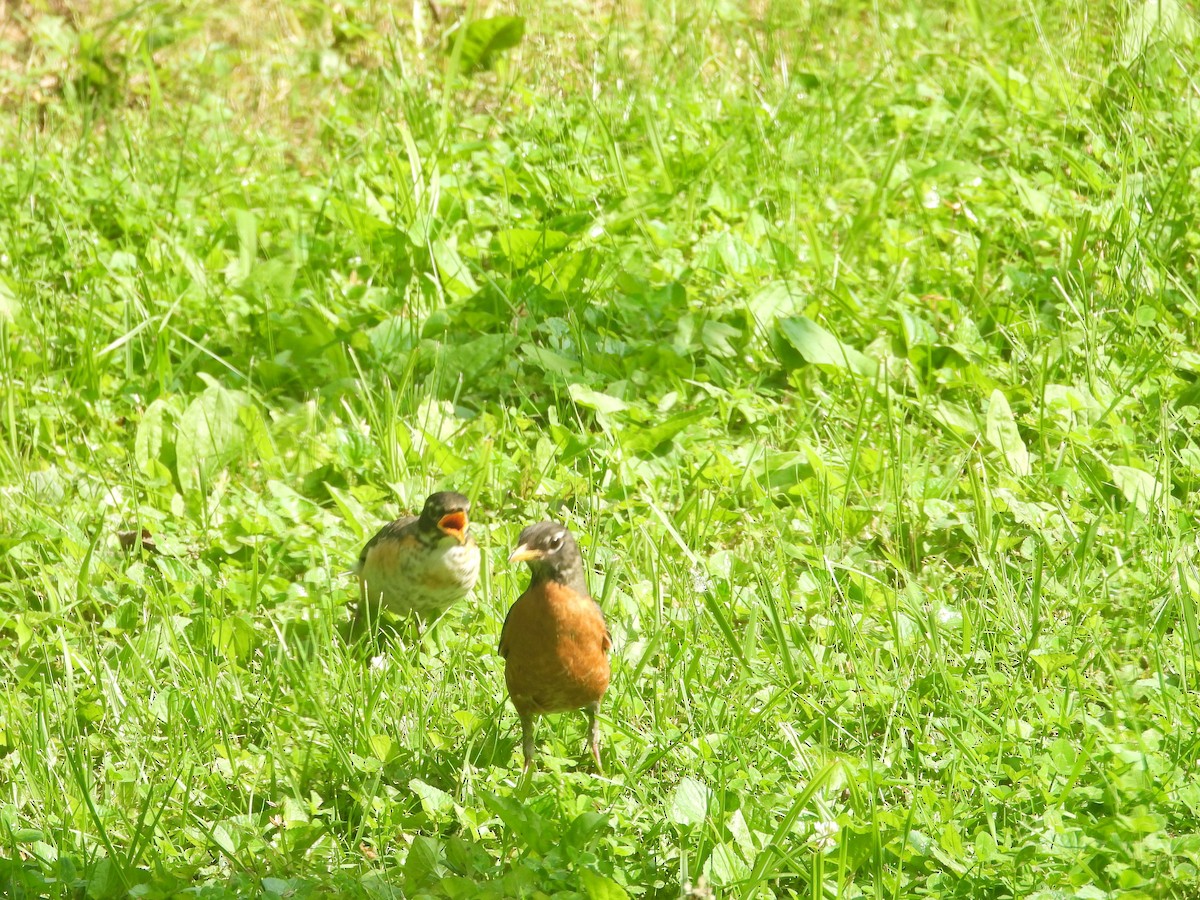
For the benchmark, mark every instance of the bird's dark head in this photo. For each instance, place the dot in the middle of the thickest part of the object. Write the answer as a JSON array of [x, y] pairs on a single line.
[[446, 512], [552, 554]]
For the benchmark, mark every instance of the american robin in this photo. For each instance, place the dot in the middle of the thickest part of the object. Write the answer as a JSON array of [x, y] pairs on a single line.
[[554, 641], [419, 565]]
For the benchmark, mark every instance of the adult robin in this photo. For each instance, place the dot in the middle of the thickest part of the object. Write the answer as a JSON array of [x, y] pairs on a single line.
[[419, 565], [554, 641]]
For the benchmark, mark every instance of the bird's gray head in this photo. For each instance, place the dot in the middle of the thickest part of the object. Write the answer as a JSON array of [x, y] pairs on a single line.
[[552, 555]]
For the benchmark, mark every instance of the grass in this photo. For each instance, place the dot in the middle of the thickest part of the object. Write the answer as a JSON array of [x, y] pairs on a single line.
[[856, 341]]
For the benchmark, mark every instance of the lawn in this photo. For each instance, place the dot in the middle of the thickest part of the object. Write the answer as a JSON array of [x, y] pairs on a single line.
[[857, 342]]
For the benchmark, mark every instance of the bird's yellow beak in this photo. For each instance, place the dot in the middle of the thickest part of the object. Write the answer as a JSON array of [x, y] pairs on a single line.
[[525, 554], [455, 525]]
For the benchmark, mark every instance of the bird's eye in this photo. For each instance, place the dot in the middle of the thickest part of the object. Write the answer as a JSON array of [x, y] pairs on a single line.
[[556, 541]]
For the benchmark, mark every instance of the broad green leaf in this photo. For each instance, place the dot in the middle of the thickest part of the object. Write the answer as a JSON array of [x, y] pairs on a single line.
[[1002, 433], [716, 337], [689, 805], [383, 747], [919, 842], [955, 417], [1034, 199], [211, 435], [601, 887], [247, 231], [435, 801], [471, 359], [151, 442], [566, 272], [437, 452], [8, 541], [422, 862], [294, 811], [917, 331], [951, 841], [770, 303], [456, 277], [348, 505], [392, 338], [732, 254], [602, 403], [726, 865], [549, 362], [820, 348], [525, 822], [583, 831], [1065, 400], [742, 836], [1188, 360], [985, 847], [1140, 487], [483, 38], [1049, 661], [570, 444], [234, 638], [1062, 756], [105, 881], [1153, 21], [9, 307], [257, 441], [643, 440], [523, 247], [781, 471], [225, 838]]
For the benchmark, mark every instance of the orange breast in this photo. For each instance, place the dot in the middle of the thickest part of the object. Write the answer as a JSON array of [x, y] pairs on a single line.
[[555, 648]]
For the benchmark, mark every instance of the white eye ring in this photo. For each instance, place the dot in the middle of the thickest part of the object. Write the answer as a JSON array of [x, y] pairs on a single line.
[[556, 541]]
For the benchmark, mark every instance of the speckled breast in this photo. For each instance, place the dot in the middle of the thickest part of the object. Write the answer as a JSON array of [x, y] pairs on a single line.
[[406, 576]]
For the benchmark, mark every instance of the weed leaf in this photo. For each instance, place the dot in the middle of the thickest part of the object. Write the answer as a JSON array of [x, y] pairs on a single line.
[[689, 805], [1153, 21], [1002, 434], [211, 435], [820, 348], [482, 39]]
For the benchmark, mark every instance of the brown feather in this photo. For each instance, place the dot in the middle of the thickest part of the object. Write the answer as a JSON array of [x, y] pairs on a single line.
[[555, 645]]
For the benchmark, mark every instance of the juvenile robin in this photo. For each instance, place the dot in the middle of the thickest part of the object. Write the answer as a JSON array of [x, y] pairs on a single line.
[[419, 565], [554, 641]]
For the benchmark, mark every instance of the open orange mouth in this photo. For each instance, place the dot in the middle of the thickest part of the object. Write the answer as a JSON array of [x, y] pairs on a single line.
[[454, 524]]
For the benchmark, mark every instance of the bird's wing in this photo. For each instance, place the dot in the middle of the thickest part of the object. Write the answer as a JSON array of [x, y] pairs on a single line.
[[605, 637], [394, 529], [500, 648]]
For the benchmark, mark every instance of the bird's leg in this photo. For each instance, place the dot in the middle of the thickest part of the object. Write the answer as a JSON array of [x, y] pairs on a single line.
[[527, 741], [594, 734]]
